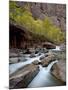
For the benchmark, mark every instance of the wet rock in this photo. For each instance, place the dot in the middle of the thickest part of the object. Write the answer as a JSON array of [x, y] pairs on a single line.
[[16, 59], [49, 45], [32, 50], [22, 77], [27, 51], [38, 54], [37, 49], [42, 57], [59, 70], [45, 50], [13, 60], [32, 55], [36, 62], [22, 59], [13, 54], [47, 60]]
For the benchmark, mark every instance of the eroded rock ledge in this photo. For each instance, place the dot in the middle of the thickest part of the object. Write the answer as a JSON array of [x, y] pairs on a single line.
[[22, 77], [59, 71]]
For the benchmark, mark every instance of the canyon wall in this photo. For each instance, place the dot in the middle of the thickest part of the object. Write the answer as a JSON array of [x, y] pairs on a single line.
[[56, 12]]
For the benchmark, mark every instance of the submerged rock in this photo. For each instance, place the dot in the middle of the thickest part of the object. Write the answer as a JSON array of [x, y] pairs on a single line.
[[22, 77]]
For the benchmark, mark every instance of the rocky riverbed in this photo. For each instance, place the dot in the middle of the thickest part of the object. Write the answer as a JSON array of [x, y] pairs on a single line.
[[23, 76], [25, 67]]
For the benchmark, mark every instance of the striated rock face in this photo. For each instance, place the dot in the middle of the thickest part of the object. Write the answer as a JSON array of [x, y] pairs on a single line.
[[59, 70], [22, 77]]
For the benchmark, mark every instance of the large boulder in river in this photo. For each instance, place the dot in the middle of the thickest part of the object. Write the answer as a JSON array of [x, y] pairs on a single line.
[[13, 54], [59, 70], [47, 60], [49, 45], [14, 60], [36, 62], [22, 77], [32, 55]]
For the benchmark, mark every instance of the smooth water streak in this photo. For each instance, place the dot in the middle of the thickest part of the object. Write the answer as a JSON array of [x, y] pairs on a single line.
[[44, 77], [16, 66]]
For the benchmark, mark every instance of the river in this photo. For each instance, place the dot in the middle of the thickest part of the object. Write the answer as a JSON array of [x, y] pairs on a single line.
[[44, 77], [16, 66]]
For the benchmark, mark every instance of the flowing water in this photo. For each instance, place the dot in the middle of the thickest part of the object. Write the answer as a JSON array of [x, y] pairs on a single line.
[[57, 48], [44, 77], [16, 66]]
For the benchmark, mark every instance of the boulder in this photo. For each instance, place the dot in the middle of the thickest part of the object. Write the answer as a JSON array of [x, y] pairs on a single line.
[[36, 62], [37, 50], [31, 50], [47, 60], [27, 51], [42, 57], [45, 50], [13, 55], [22, 77], [49, 45], [17, 59], [13, 60], [32, 55], [59, 70]]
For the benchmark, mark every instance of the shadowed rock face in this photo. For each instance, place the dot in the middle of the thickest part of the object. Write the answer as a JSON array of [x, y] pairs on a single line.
[[22, 77], [49, 45], [18, 37]]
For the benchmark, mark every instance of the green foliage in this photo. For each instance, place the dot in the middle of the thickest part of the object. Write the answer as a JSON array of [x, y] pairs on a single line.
[[53, 33], [45, 28]]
